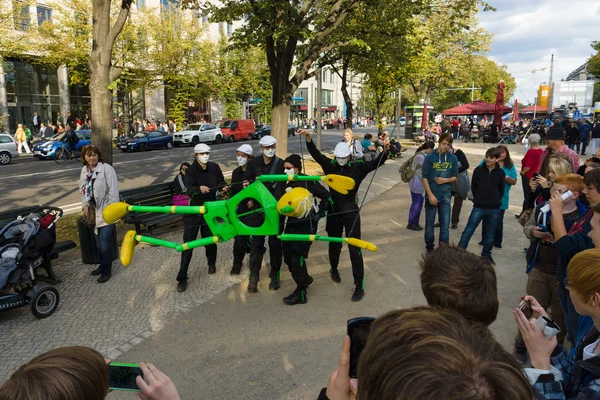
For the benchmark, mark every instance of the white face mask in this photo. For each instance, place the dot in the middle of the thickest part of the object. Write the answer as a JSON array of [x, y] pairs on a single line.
[[203, 158], [269, 152], [289, 171], [242, 161], [342, 160]]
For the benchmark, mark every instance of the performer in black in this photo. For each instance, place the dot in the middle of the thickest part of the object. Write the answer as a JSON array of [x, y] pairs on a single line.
[[344, 214], [241, 244], [296, 253]]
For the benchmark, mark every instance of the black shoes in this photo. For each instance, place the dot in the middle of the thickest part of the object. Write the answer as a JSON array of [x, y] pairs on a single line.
[[490, 260], [96, 272], [298, 297], [335, 276], [436, 225], [235, 270], [454, 226], [212, 269], [358, 294], [104, 278], [253, 285], [182, 285], [414, 227], [274, 284]]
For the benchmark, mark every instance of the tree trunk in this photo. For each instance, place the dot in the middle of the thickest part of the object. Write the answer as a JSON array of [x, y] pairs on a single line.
[[378, 106], [347, 98], [279, 127], [102, 111]]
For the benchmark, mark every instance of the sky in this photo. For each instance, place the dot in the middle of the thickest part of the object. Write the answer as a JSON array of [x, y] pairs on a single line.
[[527, 33]]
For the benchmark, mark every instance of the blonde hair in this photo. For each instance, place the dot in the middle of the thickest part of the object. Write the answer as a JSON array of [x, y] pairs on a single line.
[[584, 274], [560, 166]]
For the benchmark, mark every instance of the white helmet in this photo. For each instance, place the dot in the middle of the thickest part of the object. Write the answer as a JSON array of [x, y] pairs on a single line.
[[342, 150], [267, 140], [201, 148], [246, 149]]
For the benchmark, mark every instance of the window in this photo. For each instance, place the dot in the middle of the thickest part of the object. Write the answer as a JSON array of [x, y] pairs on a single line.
[[164, 3], [43, 14], [229, 29], [324, 73], [20, 15], [301, 93], [327, 97], [205, 19], [331, 76], [140, 3], [5, 139]]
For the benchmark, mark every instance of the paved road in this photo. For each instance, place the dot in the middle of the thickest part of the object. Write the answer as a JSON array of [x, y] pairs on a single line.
[[30, 181]]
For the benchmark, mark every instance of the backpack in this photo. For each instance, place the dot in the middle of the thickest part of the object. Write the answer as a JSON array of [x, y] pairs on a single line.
[[73, 138], [406, 170]]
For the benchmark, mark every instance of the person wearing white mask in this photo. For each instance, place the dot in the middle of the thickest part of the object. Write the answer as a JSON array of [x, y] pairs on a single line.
[[241, 244], [203, 180], [269, 164], [344, 214]]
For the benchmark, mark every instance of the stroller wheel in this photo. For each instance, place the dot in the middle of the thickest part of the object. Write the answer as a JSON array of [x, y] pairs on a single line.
[[44, 302]]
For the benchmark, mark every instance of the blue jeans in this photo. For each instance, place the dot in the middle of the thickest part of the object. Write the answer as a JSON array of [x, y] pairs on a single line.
[[489, 218], [498, 229], [104, 242], [444, 209]]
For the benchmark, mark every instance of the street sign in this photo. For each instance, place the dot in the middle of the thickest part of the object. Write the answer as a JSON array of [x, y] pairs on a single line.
[[297, 98], [256, 100]]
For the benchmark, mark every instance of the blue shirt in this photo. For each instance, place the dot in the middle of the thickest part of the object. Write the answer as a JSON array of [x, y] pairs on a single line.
[[439, 165], [511, 173], [584, 131]]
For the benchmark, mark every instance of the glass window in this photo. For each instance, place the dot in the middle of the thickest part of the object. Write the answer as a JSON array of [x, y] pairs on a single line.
[[140, 3], [164, 3], [43, 14], [324, 73], [301, 93], [327, 97], [229, 29], [331, 76], [5, 139], [205, 19], [21, 15]]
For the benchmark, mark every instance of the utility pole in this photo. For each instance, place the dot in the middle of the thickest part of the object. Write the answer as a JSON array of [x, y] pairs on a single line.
[[536, 97], [399, 110], [319, 107]]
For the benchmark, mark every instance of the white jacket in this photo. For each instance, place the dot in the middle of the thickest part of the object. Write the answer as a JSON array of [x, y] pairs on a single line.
[[106, 189]]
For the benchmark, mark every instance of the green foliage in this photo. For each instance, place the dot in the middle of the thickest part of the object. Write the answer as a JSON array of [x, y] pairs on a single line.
[[593, 65], [596, 92]]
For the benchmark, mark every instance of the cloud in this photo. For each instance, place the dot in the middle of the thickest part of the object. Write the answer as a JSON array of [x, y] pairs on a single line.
[[528, 32]]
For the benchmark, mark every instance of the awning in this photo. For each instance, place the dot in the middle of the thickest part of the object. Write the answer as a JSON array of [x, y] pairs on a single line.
[[477, 107], [329, 108]]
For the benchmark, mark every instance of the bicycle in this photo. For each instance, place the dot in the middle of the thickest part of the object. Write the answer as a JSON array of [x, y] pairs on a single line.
[[63, 154]]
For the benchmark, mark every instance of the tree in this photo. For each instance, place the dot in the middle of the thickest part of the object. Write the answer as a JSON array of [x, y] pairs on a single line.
[[294, 34], [593, 63]]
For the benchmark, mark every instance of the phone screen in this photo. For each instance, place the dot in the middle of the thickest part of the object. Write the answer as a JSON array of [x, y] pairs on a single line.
[[535, 175], [358, 330], [122, 376], [525, 307]]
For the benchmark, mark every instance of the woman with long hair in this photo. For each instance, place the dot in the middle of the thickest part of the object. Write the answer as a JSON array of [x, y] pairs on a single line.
[[511, 179], [416, 187]]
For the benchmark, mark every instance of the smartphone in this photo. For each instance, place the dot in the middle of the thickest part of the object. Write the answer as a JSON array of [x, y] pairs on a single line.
[[525, 308], [543, 228], [122, 376], [535, 175], [358, 330]]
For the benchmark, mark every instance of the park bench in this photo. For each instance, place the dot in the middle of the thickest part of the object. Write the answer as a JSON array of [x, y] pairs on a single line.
[[158, 194], [59, 247]]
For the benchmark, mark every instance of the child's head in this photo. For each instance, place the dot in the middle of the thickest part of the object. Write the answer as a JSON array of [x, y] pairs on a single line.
[[491, 156], [595, 225], [592, 186], [454, 278], [572, 182]]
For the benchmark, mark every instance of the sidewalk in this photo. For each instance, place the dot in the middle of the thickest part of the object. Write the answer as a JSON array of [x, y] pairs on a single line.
[[242, 346], [138, 302]]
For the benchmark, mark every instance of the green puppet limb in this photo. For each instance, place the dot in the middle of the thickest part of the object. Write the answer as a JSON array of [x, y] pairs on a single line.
[[294, 237], [339, 183]]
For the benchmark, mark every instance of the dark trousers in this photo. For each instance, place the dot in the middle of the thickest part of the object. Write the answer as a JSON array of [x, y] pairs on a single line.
[[294, 255], [193, 224], [335, 225], [456, 208], [104, 242], [526, 193], [583, 144], [499, 229], [489, 218], [257, 250], [241, 246]]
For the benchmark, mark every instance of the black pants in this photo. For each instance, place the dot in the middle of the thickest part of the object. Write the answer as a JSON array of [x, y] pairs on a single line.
[[335, 225], [241, 246], [257, 250], [192, 224], [456, 208], [526, 193], [295, 255]]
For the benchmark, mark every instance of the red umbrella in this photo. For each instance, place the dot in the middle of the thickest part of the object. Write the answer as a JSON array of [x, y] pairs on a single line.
[[516, 110], [499, 105], [424, 120], [477, 107]]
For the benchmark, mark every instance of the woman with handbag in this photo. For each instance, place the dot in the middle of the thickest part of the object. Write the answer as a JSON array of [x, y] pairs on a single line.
[[99, 187], [180, 198]]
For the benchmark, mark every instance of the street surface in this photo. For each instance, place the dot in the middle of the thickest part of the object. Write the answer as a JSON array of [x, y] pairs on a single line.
[[29, 181], [216, 341]]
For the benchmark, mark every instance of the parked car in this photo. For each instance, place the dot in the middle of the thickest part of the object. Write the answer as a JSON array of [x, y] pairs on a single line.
[[46, 149], [263, 130], [197, 133], [292, 130], [8, 149], [146, 140], [402, 121], [238, 129]]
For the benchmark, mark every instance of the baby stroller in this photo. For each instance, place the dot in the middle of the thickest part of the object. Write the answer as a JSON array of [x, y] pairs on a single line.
[[24, 243]]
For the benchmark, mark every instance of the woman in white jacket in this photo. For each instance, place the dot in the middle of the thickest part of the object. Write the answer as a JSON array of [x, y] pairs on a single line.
[[99, 187]]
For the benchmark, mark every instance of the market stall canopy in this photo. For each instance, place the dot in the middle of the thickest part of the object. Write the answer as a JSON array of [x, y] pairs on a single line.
[[477, 107], [532, 109]]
